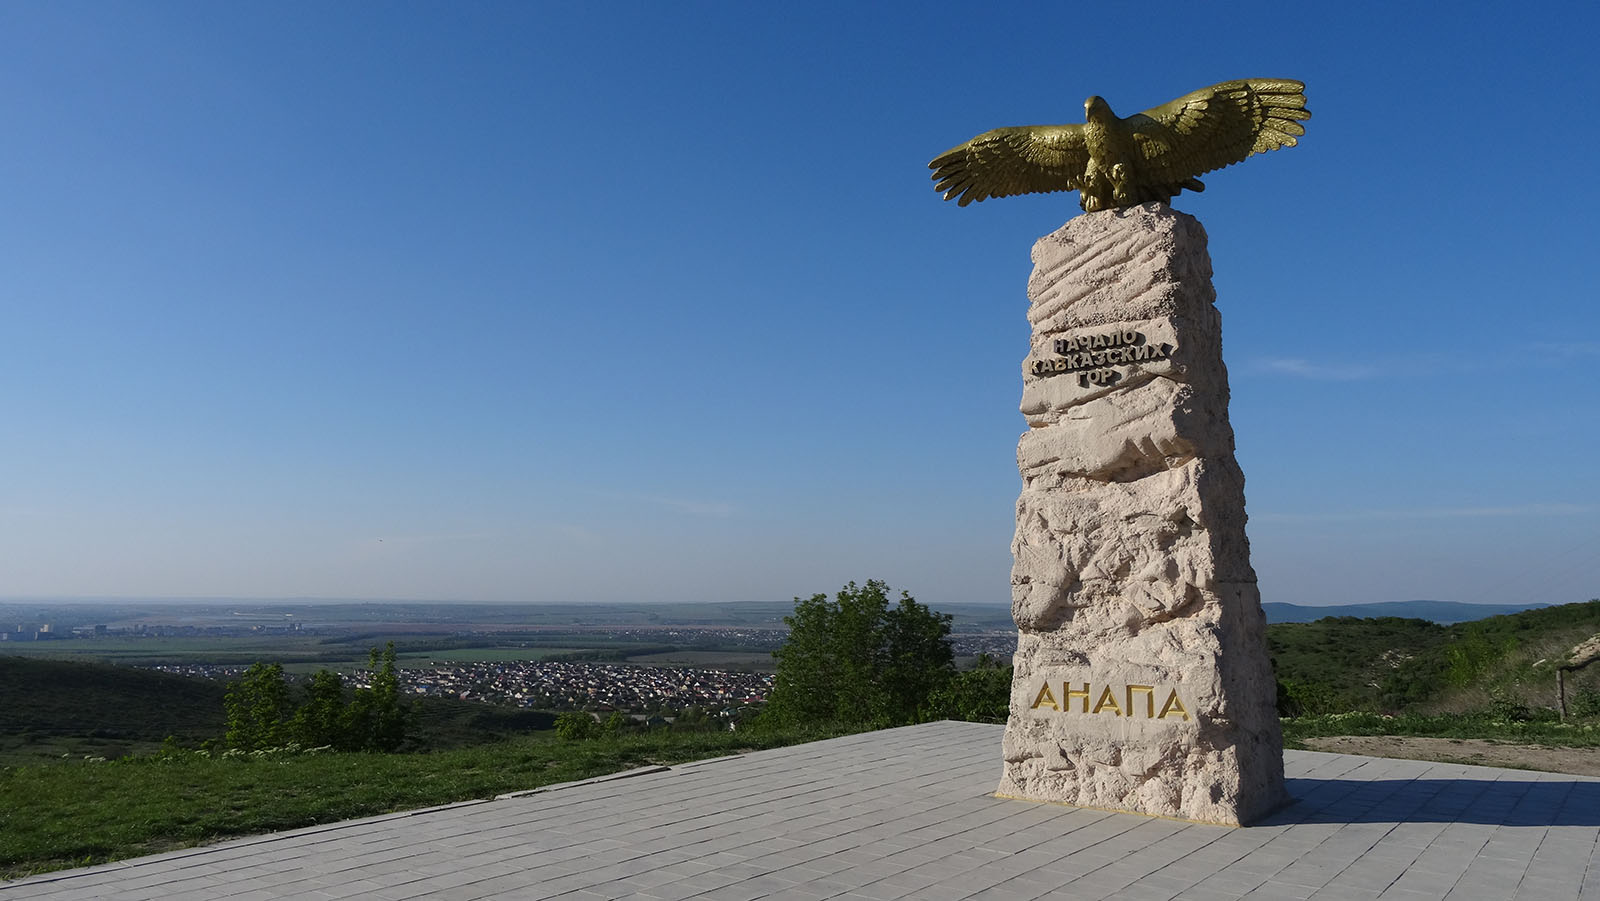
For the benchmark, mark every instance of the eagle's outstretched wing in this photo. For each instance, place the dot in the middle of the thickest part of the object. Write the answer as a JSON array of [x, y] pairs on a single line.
[[1031, 159], [1218, 126]]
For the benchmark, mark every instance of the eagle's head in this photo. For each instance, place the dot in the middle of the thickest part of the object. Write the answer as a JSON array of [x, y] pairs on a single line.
[[1096, 109]]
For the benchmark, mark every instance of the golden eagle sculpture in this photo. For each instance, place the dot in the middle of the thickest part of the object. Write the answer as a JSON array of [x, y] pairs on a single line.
[[1114, 162]]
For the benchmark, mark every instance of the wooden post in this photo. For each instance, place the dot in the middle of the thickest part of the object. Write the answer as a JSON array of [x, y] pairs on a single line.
[[1561, 690]]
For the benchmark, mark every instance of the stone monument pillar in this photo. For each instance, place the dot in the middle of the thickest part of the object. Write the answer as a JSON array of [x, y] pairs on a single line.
[[1142, 680]]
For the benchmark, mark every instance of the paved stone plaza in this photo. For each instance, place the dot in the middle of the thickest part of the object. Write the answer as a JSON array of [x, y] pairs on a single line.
[[908, 813]]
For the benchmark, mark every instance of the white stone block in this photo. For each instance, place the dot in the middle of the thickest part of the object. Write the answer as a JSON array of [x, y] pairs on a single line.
[[1142, 680]]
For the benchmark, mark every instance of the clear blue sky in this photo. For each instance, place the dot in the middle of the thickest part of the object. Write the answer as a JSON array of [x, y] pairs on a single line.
[[655, 301]]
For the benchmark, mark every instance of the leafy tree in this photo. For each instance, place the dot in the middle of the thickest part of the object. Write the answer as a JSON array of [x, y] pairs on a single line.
[[375, 719], [258, 707], [321, 718], [261, 714], [980, 695], [856, 660], [917, 659], [803, 689]]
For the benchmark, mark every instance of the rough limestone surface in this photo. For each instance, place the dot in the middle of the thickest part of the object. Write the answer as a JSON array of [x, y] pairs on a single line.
[[1142, 680]]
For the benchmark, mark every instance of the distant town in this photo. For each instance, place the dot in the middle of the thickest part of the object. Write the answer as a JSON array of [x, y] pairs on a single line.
[[544, 685], [646, 661], [48, 631]]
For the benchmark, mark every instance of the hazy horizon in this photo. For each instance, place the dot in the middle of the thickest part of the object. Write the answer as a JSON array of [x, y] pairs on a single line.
[[313, 601]]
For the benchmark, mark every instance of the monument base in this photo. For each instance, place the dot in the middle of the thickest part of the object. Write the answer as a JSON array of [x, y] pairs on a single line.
[[1142, 681]]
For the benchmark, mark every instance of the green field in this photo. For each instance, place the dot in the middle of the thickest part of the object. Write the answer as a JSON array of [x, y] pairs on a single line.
[[482, 655], [427, 659], [158, 650], [748, 661], [307, 654]]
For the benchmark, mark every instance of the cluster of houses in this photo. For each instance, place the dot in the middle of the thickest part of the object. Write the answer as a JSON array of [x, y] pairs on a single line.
[[550, 685], [588, 686]]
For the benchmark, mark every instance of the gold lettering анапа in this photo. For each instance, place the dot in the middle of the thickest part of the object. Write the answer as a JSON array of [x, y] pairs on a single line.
[[1112, 700]]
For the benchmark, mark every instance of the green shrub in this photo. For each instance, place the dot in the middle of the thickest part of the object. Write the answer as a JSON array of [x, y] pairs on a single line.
[[575, 725], [694, 719], [321, 719], [1585, 703], [1307, 699], [1473, 653], [980, 695], [1504, 706], [261, 714], [258, 708], [375, 720]]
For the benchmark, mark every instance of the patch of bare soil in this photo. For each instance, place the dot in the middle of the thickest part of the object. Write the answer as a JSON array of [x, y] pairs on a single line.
[[1478, 752]]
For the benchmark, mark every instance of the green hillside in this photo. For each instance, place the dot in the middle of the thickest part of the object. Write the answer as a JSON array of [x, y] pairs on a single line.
[[1445, 612], [52, 708], [1391, 665]]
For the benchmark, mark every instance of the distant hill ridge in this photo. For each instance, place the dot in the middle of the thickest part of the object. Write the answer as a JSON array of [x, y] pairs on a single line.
[[1442, 612]]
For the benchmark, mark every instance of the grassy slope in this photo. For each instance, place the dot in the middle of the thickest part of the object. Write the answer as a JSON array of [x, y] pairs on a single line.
[[1575, 733], [56, 707], [1393, 665], [64, 812], [1355, 661], [1444, 612], [78, 813]]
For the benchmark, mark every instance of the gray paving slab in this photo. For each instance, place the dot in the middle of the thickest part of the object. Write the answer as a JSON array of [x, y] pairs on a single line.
[[908, 814]]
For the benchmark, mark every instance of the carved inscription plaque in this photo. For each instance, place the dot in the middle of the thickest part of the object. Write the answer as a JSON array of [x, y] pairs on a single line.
[[1092, 358]]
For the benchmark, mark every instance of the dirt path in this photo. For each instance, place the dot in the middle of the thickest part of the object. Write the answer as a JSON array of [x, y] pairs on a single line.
[[1578, 761]]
